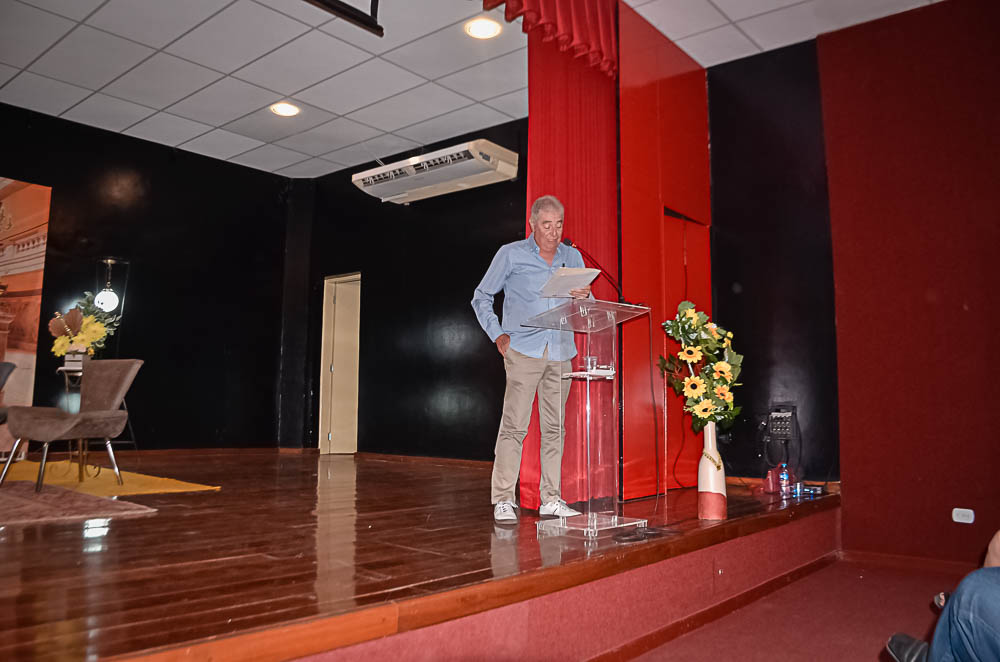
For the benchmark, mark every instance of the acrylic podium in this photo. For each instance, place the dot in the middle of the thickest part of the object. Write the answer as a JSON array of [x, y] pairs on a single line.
[[590, 328]]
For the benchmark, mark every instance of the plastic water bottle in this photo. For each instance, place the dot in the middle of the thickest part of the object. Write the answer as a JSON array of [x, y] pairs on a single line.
[[784, 481]]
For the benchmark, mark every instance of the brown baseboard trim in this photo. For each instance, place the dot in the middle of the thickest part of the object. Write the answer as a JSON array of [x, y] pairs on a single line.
[[298, 451], [665, 634], [959, 568], [429, 460]]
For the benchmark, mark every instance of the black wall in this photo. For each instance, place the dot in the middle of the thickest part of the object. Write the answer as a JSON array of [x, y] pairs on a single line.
[[431, 383], [205, 241], [772, 265]]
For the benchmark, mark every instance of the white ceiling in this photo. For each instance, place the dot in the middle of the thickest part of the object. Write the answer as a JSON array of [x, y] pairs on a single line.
[[200, 74], [717, 31]]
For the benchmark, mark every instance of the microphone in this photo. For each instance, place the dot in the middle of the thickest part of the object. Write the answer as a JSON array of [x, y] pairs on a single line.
[[604, 272]]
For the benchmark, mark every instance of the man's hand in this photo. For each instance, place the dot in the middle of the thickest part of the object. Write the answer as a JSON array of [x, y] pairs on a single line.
[[502, 342], [580, 293]]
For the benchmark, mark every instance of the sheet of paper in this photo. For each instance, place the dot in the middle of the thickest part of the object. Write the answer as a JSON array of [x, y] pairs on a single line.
[[568, 278]]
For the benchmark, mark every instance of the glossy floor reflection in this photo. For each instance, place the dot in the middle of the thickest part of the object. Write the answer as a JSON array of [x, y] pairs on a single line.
[[288, 537]]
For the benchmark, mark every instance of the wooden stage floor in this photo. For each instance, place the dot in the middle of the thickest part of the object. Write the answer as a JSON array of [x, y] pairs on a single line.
[[295, 539]]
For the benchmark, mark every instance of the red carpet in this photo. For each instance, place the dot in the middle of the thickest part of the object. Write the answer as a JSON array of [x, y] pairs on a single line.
[[842, 613]]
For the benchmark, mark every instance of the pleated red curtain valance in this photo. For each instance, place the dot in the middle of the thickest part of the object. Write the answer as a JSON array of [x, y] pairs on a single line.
[[584, 28]]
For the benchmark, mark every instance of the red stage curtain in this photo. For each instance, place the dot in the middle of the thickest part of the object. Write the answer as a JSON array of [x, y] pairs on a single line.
[[584, 28], [572, 154]]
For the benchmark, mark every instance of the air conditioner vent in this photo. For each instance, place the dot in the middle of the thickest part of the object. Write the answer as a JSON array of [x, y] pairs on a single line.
[[457, 168]]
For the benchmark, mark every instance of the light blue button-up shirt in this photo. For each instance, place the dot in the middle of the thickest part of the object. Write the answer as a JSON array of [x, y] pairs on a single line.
[[520, 271]]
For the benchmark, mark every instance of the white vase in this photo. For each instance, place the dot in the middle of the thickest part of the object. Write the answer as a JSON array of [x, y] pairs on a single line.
[[711, 478]]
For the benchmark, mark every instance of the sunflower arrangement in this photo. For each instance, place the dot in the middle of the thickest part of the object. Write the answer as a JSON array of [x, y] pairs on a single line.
[[704, 371], [83, 329]]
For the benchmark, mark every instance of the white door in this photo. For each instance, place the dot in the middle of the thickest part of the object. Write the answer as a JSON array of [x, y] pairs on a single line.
[[338, 390]]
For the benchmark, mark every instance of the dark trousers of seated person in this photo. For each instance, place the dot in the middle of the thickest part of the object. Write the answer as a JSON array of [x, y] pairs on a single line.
[[969, 627]]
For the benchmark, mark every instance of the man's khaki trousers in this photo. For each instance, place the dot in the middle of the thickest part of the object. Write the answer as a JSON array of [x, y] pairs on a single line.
[[525, 377]]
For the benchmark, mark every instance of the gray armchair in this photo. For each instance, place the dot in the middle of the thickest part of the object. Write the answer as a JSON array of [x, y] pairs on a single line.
[[102, 389]]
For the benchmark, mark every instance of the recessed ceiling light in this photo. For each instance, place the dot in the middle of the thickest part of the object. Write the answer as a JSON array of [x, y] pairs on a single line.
[[284, 109], [482, 28]]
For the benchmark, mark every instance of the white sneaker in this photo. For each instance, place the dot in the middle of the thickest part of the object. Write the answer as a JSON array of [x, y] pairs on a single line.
[[556, 508], [504, 512]]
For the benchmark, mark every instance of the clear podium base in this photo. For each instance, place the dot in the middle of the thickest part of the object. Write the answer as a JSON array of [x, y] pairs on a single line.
[[589, 526]]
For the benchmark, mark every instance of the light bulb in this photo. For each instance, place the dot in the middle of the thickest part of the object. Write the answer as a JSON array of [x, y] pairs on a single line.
[[482, 28], [106, 300], [284, 109]]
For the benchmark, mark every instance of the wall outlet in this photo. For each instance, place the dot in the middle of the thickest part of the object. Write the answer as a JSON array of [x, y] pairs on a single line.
[[963, 515]]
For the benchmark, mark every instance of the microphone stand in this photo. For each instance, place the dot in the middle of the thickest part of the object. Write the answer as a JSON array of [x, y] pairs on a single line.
[[597, 265]]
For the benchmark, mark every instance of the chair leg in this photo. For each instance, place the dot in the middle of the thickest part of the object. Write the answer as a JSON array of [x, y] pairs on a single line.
[[114, 465], [10, 459], [41, 467]]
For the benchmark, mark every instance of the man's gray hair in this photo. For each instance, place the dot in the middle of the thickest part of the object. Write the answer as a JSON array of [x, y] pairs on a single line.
[[546, 203]]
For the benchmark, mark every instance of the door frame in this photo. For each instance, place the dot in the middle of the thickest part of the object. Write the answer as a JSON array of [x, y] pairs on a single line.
[[327, 355]]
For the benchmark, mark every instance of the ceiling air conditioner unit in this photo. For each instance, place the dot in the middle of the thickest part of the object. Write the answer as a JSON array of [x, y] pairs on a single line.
[[457, 168]]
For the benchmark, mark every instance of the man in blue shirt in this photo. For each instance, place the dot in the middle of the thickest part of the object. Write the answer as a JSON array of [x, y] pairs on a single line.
[[535, 359]]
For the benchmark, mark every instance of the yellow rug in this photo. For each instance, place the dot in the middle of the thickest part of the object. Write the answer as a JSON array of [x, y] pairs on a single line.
[[66, 474]]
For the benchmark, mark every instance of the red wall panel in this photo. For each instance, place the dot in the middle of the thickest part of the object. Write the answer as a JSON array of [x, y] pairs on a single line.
[[664, 154], [910, 107]]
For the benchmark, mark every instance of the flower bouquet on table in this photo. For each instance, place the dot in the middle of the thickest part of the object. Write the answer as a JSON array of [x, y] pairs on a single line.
[[81, 331], [704, 372]]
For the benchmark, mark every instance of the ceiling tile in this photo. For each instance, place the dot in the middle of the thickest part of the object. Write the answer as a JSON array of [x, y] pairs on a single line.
[[90, 58], [309, 59], [330, 136], [224, 101], [269, 157], [450, 49], [267, 126], [42, 94], [514, 104], [402, 24], [384, 146], [107, 112], [453, 124], [260, 30], [25, 32], [220, 144], [804, 21], [302, 11], [409, 107], [492, 78], [366, 83], [167, 129], [6, 73], [74, 9], [681, 18], [162, 80], [843, 13], [154, 22], [718, 46], [309, 169], [739, 9]]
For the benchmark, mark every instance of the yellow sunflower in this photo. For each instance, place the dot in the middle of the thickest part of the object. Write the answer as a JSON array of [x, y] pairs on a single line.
[[723, 393], [703, 409], [723, 369], [690, 354], [692, 315], [694, 387]]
